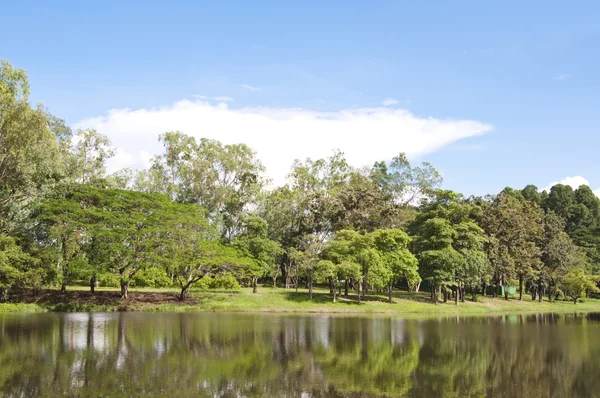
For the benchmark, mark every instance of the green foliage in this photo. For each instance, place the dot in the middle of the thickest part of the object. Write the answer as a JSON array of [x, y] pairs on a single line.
[[29, 149], [576, 283], [108, 280], [225, 281], [201, 214], [152, 277]]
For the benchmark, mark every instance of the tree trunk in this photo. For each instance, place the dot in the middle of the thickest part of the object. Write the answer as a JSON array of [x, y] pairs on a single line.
[[433, 294], [456, 295], [462, 294], [346, 288], [483, 292], [124, 289], [360, 282], [254, 284], [520, 287], [185, 290], [418, 287], [275, 281], [310, 288], [541, 294], [533, 293], [334, 294], [390, 287], [93, 284], [63, 287], [575, 300], [473, 294], [331, 288]]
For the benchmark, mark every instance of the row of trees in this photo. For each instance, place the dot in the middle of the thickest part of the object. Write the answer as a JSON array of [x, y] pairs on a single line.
[[204, 212]]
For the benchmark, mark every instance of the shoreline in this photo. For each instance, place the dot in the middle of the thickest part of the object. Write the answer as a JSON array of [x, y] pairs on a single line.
[[281, 301]]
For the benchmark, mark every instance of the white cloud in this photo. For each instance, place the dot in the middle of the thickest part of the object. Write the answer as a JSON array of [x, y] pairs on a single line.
[[560, 76], [251, 88], [281, 135], [389, 101], [218, 98], [122, 159], [574, 182]]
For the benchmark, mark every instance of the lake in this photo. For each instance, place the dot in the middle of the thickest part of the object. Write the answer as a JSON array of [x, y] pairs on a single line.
[[268, 355]]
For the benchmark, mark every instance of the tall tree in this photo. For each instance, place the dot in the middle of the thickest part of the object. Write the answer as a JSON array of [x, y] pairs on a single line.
[[29, 151], [516, 226], [266, 252], [392, 245], [87, 157]]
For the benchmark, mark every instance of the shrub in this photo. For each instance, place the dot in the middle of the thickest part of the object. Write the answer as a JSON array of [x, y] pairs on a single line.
[[152, 277], [109, 280], [226, 281]]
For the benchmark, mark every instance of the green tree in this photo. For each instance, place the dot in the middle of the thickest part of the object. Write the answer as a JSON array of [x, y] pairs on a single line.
[[266, 252], [577, 284], [29, 150], [86, 159], [516, 227], [18, 268], [392, 245], [224, 179]]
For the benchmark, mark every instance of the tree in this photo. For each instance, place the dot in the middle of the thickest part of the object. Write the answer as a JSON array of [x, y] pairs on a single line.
[[132, 230], [355, 255], [266, 252], [206, 258], [315, 184], [86, 160], [438, 260], [450, 244], [559, 255], [404, 183], [224, 179], [392, 245], [308, 258], [516, 227], [18, 268], [29, 151], [576, 284], [326, 270]]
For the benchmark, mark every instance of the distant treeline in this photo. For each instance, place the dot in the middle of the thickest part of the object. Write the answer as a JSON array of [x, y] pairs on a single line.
[[205, 213]]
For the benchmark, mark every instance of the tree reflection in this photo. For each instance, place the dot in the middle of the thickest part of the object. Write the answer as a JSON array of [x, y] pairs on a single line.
[[266, 355]]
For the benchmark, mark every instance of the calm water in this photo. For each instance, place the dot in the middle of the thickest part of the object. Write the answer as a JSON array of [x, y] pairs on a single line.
[[232, 355]]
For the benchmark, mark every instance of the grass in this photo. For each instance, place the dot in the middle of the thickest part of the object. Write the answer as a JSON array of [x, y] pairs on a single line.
[[6, 308], [281, 300], [278, 300]]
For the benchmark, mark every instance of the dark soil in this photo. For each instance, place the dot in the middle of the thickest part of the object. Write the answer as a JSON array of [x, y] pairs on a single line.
[[52, 297]]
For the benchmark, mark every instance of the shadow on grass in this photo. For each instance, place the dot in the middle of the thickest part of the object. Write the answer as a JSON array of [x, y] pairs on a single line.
[[323, 298]]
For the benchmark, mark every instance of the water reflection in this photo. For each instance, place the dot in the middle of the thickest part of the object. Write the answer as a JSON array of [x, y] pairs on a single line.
[[136, 354]]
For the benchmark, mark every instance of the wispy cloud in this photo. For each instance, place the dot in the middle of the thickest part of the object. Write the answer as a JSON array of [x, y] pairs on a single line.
[[280, 135], [218, 98], [250, 88], [389, 101], [560, 76]]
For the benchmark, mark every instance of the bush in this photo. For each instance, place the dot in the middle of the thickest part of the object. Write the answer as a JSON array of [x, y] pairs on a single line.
[[226, 281], [152, 277], [109, 280]]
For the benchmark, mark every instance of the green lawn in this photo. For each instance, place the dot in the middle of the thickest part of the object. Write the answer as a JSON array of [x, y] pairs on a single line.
[[290, 301]]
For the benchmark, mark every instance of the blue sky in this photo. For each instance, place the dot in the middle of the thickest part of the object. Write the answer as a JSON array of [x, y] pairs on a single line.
[[529, 69]]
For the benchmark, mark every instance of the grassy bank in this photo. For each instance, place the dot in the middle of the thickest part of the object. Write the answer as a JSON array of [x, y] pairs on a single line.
[[279, 301]]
